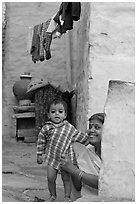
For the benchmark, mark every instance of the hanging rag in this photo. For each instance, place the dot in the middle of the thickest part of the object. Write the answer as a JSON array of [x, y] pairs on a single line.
[[41, 41], [69, 12], [29, 41], [45, 41], [54, 28], [58, 24], [35, 44]]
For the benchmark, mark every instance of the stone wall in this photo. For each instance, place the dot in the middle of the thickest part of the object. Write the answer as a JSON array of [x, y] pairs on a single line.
[[112, 49]]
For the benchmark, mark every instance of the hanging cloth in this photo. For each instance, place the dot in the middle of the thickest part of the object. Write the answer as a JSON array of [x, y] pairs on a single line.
[[45, 41], [60, 22], [35, 44], [69, 12], [29, 40], [41, 40]]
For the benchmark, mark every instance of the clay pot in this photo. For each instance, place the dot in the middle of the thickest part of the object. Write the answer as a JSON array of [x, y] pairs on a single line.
[[20, 87]]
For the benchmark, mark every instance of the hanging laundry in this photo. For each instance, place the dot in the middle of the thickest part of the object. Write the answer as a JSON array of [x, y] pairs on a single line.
[[68, 12], [45, 41], [29, 41], [35, 44], [54, 27], [41, 40]]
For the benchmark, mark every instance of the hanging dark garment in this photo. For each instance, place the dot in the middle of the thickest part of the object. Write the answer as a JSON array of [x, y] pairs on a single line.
[[46, 44], [70, 9], [45, 41], [41, 50], [69, 12], [76, 11], [35, 44], [41, 41]]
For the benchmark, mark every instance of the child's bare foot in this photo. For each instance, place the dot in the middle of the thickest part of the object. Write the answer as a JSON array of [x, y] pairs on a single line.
[[67, 199], [52, 198]]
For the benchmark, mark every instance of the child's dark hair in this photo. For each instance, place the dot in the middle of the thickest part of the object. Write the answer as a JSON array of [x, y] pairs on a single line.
[[58, 101]]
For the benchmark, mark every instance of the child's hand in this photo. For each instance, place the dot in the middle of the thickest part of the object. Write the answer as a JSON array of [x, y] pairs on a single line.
[[39, 159]]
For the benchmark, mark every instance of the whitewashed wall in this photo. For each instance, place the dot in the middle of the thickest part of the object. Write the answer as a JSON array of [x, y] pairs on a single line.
[[20, 16], [79, 57], [117, 174], [112, 49], [111, 56]]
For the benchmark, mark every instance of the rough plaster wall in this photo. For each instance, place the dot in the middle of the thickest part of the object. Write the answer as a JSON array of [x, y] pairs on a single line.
[[117, 174], [111, 49], [3, 14], [3, 31], [20, 16], [79, 56]]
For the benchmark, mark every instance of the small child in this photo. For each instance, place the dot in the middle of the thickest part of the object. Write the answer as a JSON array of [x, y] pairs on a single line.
[[55, 139]]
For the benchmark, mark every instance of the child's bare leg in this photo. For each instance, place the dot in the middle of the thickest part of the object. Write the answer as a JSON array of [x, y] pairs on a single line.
[[76, 187], [76, 182], [51, 176], [67, 183]]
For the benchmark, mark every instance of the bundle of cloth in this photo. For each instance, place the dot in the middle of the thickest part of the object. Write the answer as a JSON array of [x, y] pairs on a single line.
[[40, 36]]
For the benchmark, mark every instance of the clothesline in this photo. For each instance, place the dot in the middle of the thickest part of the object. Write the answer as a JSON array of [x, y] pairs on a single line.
[[40, 36]]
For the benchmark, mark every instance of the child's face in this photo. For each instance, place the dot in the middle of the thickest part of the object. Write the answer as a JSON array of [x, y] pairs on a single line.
[[57, 113], [95, 127]]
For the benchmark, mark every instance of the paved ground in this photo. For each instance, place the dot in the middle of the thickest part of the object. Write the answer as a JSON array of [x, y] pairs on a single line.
[[22, 177]]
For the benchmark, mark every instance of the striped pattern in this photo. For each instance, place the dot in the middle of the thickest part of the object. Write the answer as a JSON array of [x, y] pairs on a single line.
[[56, 139]]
